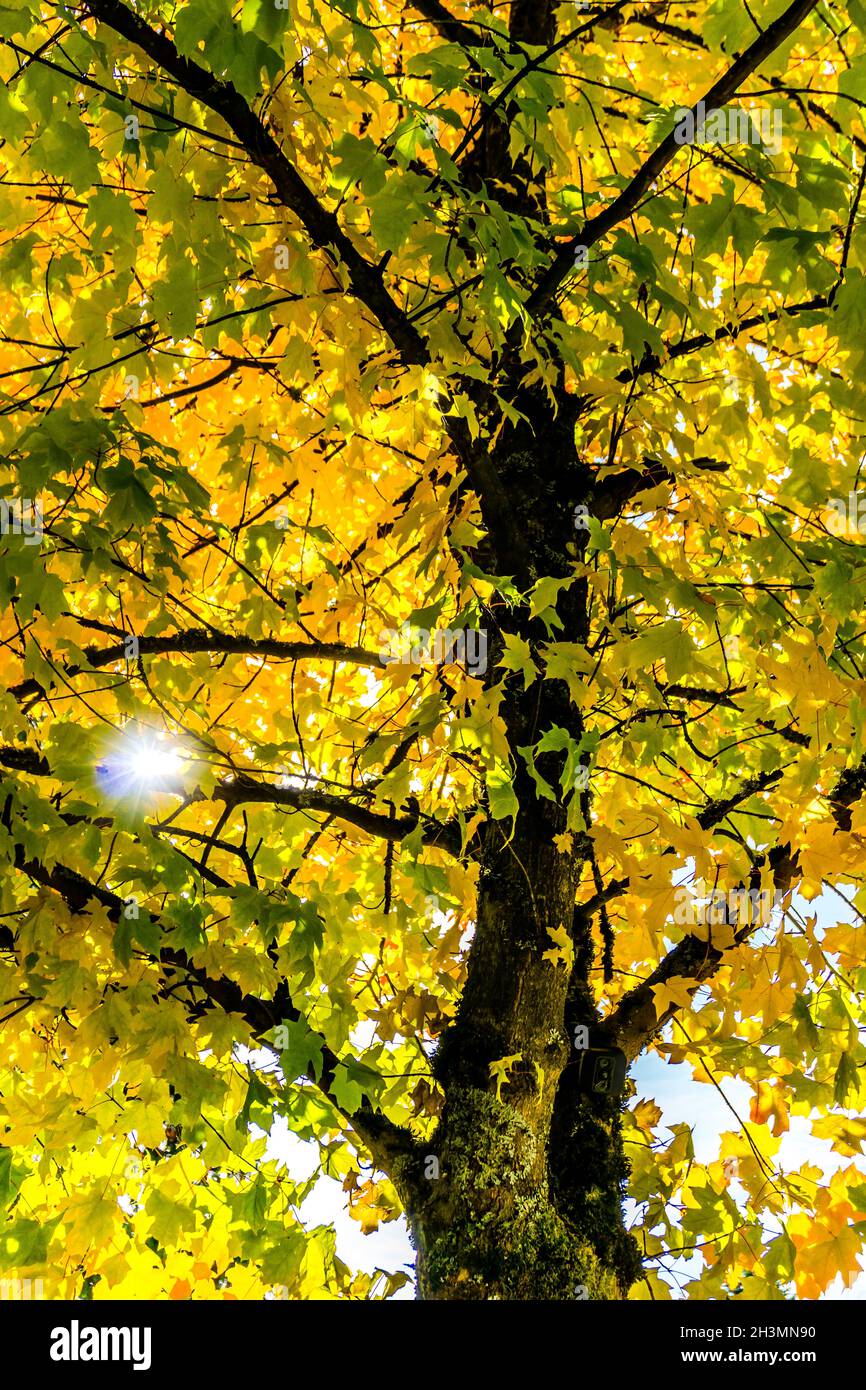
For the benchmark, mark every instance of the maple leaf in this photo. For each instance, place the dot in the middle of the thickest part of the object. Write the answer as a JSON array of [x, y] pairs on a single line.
[[676, 992], [562, 951]]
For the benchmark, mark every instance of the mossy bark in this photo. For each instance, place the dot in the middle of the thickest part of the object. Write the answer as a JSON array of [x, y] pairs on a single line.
[[490, 1228], [524, 1199]]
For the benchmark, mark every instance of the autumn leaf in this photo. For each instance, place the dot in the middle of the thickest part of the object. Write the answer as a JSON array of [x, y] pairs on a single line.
[[501, 1068], [562, 951]]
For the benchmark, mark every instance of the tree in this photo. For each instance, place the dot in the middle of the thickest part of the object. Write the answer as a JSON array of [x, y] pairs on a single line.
[[434, 643]]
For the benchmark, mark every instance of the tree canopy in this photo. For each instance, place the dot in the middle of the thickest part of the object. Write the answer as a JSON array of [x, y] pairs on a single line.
[[433, 639]]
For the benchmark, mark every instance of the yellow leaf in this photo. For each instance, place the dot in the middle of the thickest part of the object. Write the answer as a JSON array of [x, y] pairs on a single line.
[[769, 1103], [501, 1069], [823, 1254], [562, 952], [646, 1114], [676, 992]]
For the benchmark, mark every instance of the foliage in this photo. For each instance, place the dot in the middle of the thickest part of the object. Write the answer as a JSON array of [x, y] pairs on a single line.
[[277, 283]]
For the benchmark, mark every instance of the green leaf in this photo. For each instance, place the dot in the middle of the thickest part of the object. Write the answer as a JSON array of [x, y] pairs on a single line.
[[257, 1095], [542, 786], [176, 298], [501, 796], [670, 643], [24, 1243], [804, 1019], [347, 1092], [64, 149], [11, 1177], [568, 661], [543, 599], [263, 18], [300, 1049], [845, 1078], [518, 657], [170, 1218]]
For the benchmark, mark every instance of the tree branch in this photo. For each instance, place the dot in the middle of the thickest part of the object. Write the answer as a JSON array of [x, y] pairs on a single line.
[[24, 760], [452, 29], [386, 1141], [198, 640], [652, 362], [321, 226], [245, 789], [611, 493], [633, 1023], [721, 92]]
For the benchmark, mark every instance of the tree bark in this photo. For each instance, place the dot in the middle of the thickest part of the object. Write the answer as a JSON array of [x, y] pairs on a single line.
[[519, 1195], [524, 1197]]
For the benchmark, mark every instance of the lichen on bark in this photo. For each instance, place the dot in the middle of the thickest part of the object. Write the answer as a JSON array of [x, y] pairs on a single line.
[[487, 1228]]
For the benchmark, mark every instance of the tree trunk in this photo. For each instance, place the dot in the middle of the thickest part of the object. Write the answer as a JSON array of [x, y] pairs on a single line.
[[519, 1195]]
